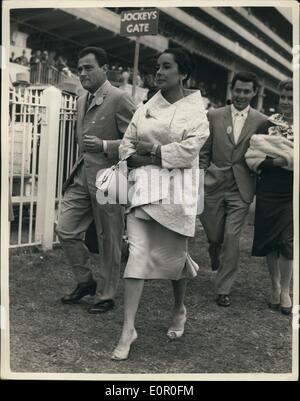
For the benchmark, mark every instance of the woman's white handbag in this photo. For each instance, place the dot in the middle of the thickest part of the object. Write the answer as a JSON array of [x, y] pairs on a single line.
[[112, 184]]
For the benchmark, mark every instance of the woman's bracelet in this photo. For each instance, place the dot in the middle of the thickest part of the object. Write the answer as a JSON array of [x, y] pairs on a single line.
[[154, 149], [155, 152]]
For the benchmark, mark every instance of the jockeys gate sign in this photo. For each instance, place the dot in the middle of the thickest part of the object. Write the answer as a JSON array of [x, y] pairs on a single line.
[[139, 22]]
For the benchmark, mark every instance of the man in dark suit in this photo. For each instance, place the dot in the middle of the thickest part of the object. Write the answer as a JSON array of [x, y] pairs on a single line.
[[103, 114], [229, 186]]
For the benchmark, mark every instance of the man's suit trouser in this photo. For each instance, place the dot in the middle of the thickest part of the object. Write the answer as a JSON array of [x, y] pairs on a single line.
[[223, 219], [79, 209]]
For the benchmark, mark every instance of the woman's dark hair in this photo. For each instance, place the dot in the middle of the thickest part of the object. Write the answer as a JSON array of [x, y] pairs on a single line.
[[98, 52], [245, 76], [286, 84], [183, 59]]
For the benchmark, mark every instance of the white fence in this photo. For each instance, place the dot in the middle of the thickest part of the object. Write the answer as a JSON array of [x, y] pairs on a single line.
[[42, 152]]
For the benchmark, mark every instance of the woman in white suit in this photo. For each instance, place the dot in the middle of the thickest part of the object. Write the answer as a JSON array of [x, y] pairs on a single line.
[[164, 136]]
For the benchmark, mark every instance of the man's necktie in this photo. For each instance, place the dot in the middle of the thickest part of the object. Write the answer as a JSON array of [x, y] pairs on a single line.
[[238, 126], [89, 101]]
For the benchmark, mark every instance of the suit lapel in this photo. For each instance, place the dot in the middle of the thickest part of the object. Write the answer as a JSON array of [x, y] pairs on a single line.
[[228, 124], [99, 98], [247, 126]]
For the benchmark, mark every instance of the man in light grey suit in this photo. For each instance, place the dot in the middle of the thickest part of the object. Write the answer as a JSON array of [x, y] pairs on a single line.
[[103, 115], [229, 186]]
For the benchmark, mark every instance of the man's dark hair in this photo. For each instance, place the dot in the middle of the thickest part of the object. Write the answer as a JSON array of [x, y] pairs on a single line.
[[98, 52], [182, 59], [245, 76], [286, 84]]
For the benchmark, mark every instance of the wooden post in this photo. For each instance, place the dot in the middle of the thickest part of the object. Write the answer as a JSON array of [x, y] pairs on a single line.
[[260, 97], [39, 80], [136, 65], [48, 169], [229, 80]]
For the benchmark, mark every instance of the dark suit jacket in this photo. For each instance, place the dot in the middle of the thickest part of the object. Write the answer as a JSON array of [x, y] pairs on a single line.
[[224, 160]]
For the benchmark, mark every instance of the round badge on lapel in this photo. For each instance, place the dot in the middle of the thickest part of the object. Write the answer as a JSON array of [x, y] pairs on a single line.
[[99, 101], [229, 130]]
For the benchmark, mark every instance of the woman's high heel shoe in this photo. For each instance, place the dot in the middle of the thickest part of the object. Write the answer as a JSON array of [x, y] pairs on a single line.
[[177, 333], [285, 310], [274, 306], [122, 354], [274, 302]]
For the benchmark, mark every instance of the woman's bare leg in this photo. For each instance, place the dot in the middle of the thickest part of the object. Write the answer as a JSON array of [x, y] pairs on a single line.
[[132, 296], [179, 312], [274, 270], [286, 271]]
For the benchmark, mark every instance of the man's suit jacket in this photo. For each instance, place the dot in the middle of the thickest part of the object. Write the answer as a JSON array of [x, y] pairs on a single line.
[[107, 117], [223, 160]]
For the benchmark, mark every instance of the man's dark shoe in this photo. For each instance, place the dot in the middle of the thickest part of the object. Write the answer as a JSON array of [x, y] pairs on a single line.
[[223, 300], [80, 291], [102, 306]]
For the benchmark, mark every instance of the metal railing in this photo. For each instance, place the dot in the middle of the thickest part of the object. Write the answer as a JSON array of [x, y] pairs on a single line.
[[46, 74], [42, 73], [42, 151], [67, 147], [27, 117]]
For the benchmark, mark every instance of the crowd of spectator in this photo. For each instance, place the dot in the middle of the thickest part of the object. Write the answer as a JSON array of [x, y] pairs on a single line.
[[50, 59], [116, 73], [23, 60], [124, 75]]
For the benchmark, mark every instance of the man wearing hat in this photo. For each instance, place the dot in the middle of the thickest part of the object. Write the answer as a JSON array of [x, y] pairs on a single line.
[[20, 85], [103, 114], [22, 80]]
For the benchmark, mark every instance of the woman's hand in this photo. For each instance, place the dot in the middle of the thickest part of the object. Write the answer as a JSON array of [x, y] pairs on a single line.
[[143, 148], [137, 160]]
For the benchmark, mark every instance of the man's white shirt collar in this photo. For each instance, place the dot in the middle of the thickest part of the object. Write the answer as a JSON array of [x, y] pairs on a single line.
[[235, 111], [99, 91]]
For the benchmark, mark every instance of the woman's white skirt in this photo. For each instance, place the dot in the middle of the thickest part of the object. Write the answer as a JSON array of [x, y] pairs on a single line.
[[156, 252]]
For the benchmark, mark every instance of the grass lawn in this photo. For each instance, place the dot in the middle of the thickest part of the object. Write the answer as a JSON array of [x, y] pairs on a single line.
[[47, 336]]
